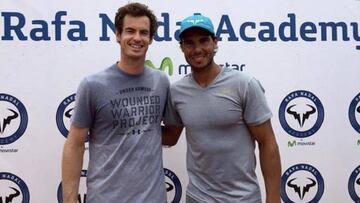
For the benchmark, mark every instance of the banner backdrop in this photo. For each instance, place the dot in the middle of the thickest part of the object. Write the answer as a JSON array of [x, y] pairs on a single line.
[[305, 53]]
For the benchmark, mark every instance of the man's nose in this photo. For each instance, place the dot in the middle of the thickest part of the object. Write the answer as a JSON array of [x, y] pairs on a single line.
[[137, 36], [197, 47]]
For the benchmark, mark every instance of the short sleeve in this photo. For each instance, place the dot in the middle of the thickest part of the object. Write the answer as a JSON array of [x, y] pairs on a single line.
[[256, 108], [172, 117], [83, 112]]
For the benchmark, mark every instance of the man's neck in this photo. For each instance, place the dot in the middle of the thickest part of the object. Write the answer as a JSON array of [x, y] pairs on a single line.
[[205, 76], [131, 66]]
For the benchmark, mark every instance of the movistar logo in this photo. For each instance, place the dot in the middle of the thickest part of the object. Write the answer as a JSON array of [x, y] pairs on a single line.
[[165, 63], [292, 143], [358, 142]]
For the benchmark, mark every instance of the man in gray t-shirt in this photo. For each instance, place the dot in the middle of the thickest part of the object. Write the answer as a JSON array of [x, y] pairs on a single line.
[[224, 112], [119, 110]]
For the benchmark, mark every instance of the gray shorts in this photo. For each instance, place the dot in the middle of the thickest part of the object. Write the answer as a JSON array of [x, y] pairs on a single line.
[[190, 200]]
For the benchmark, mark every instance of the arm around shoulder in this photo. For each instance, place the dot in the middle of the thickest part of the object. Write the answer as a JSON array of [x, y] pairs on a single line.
[[269, 159], [171, 134], [72, 160]]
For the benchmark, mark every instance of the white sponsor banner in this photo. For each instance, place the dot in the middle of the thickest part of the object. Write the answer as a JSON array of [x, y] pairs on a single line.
[[306, 55]]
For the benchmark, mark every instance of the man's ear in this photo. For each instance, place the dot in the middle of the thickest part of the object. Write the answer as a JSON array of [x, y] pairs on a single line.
[[216, 42], [118, 35], [181, 47], [216, 48], [216, 45]]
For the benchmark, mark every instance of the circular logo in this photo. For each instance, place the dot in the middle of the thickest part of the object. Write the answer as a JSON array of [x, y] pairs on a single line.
[[354, 185], [64, 113], [302, 183], [13, 119], [13, 189], [173, 186], [354, 113], [301, 114], [82, 188]]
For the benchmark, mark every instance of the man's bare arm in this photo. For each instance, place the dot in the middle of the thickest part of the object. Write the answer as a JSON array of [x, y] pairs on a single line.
[[72, 161], [170, 135], [269, 160]]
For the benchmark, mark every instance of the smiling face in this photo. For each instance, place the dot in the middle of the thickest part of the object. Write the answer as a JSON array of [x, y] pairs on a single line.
[[198, 47], [134, 38]]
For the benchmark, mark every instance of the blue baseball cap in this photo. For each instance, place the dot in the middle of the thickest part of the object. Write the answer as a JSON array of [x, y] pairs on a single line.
[[196, 20]]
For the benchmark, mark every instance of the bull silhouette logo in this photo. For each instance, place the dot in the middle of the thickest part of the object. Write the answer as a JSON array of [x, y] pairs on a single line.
[[302, 183], [354, 185], [10, 193], [13, 119], [173, 186], [306, 109], [64, 113], [301, 190], [354, 113], [9, 198], [68, 113], [301, 117], [169, 186], [7, 120]]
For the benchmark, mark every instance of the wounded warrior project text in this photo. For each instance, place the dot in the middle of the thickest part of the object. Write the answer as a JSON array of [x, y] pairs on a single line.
[[135, 111]]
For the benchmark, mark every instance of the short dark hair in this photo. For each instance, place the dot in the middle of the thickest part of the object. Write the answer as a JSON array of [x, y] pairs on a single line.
[[135, 10], [212, 35]]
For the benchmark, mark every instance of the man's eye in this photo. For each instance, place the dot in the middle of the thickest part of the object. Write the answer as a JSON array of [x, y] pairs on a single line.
[[187, 43], [205, 40], [129, 31], [144, 33]]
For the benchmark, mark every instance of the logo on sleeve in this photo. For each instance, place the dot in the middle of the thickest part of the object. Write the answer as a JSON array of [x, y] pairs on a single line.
[[173, 186], [301, 183], [13, 189], [13, 119]]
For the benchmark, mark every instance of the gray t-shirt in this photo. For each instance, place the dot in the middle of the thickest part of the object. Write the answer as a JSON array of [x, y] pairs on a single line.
[[123, 113], [220, 150]]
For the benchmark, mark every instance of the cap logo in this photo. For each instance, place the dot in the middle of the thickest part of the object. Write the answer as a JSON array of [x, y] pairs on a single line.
[[194, 22]]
